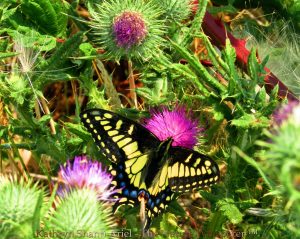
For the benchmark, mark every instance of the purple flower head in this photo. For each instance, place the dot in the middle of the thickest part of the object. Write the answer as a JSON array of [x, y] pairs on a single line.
[[288, 111], [84, 173], [176, 124], [129, 29]]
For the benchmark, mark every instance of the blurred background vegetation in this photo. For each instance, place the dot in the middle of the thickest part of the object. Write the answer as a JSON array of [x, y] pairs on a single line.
[[52, 67]]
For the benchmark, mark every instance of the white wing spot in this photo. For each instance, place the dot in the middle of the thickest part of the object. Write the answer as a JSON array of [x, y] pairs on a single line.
[[188, 158], [104, 122], [198, 171], [131, 129], [108, 127], [112, 132], [114, 158], [108, 116], [117, 138], [119, 123]]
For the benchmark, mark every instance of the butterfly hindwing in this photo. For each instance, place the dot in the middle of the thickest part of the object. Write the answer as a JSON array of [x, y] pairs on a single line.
[[129, 195], [157, 204], [190, 170]]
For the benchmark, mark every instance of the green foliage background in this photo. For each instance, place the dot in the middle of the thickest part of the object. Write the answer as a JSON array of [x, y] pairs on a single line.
[[46, 42]]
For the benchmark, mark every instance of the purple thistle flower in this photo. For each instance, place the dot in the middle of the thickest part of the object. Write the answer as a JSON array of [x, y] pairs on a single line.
[[285, 112], [84, 173], [176, 124], [129, 29]]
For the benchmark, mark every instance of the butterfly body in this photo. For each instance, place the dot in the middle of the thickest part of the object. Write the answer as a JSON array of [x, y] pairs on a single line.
[[145, 168]]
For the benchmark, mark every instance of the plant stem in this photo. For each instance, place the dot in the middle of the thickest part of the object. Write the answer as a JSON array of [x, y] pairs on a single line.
[[43, 177], [131, 83], [12, 162], [255, 165], [47, 111], [37, 109], [110, 90]]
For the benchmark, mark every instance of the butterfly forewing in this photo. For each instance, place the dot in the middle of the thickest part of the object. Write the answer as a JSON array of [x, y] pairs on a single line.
[[190, 170], [119, 138]]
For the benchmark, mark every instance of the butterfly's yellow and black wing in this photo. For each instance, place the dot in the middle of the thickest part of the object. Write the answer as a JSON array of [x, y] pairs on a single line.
[[119, 138], [131, 148], [189, 170], [185, 170], [137, 163]]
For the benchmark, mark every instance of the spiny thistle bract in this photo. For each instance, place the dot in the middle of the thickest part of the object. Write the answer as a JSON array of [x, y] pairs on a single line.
[[82, 215], [18, 202], [128, 28], [282, 160], [176, 124], [174, 10]]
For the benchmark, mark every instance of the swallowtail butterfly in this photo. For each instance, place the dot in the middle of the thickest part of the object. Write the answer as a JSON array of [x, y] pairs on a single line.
[[144, 167]]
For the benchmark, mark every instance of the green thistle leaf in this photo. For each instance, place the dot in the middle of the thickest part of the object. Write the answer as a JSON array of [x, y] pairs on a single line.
[[250, 121], [41, 12], [230, 210]]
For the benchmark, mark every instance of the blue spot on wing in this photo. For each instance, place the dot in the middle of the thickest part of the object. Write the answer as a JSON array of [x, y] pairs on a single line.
[[120, 166], [122, 184], [126, 192], [133, 194]]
